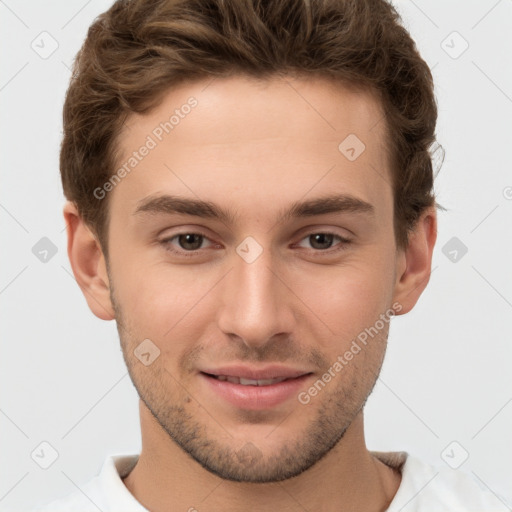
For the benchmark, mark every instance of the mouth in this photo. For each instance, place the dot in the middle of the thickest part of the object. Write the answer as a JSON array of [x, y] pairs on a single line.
[[254, 390], [247, 382]]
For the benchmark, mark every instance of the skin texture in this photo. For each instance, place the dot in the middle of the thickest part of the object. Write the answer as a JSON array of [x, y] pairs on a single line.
[[254, 148]]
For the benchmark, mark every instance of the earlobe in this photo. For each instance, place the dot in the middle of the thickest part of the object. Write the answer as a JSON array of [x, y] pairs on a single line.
[[88, 263], [415, 261]]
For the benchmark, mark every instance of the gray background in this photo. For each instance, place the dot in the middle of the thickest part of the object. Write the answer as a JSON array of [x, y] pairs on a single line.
[[447, 373]]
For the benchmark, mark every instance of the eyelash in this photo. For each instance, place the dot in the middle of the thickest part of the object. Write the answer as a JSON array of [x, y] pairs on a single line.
[[189, 254]]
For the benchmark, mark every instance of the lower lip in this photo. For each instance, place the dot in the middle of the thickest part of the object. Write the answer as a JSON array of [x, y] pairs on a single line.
[[256, 398]]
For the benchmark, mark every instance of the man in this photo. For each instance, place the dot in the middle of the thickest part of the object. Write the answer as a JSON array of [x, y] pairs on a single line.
[[250, 197]]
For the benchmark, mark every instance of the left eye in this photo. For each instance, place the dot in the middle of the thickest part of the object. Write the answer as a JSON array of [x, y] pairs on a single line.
[[323, 241]]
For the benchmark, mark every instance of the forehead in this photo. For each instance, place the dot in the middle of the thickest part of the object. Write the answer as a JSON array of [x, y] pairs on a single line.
[[262, 107], [256, 140]]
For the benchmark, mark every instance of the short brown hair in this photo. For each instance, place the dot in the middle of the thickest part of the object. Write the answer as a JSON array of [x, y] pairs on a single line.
[[138, 49]]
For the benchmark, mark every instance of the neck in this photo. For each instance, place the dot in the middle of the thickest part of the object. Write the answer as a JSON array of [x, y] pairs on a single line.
[[347, 478]]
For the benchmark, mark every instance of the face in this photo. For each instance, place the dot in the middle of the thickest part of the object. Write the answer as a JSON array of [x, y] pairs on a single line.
[[278, 275]]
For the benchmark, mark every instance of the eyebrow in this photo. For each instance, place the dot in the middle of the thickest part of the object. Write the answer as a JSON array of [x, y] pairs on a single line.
[[170, 204]]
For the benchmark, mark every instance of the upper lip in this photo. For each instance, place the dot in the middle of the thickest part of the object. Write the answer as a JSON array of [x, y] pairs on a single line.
[[254, 373]]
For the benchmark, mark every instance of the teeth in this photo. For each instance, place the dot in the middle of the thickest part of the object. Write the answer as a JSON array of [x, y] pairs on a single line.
[[249, 382]]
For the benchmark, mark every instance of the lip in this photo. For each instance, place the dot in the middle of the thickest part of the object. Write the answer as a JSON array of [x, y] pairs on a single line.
[[255, 398]]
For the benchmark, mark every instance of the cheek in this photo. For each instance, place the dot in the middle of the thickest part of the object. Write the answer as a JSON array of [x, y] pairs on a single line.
[[347, 297], [168, 305]]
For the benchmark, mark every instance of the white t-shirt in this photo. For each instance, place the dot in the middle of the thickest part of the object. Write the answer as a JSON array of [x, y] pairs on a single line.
[[424, 488]]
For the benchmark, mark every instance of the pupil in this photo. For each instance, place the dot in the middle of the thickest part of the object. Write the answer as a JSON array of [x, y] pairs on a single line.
[[322, 238], [186, 239]]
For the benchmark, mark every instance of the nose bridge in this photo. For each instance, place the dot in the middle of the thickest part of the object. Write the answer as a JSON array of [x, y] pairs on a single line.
[[255, 305]]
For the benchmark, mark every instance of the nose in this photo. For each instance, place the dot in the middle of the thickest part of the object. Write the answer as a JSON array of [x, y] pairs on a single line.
[[256, 302]]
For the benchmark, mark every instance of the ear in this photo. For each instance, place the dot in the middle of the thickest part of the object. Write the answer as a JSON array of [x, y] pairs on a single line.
[[415, 261], [88, 264]]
